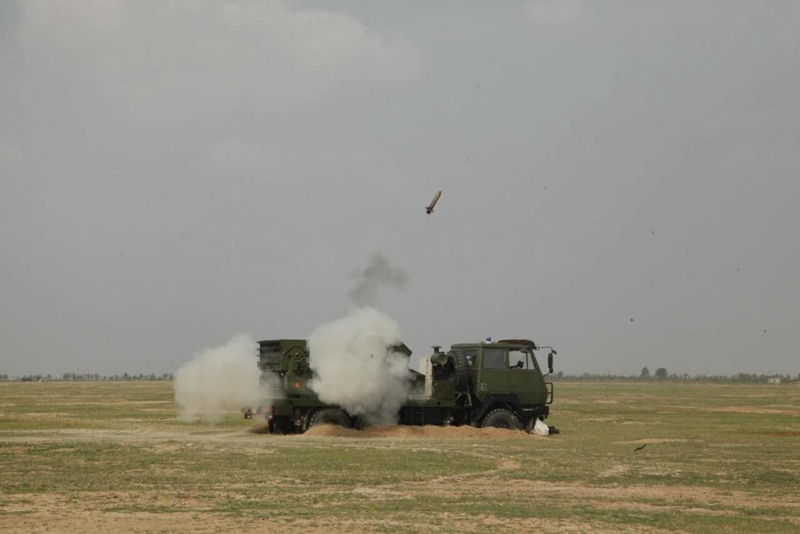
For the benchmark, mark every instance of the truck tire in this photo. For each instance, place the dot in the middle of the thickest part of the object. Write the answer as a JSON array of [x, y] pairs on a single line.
[[329, 416], [280, 427], [501, 418], [461, 368]]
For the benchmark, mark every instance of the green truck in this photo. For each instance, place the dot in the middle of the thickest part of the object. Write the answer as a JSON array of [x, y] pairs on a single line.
[[488, 384]]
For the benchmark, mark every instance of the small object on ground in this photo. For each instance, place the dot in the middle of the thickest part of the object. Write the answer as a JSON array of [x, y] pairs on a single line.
[[429, 209], [540, 428], [637, 449]]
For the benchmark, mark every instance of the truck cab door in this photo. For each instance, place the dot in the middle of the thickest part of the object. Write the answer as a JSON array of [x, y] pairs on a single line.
[[525, 378], [493, 373]]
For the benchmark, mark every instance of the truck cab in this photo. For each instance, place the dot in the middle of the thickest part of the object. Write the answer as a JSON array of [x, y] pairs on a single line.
[[506, 374]]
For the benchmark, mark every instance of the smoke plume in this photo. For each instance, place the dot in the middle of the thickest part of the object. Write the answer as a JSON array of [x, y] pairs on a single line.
[[356, 369], [219, 380], [377, 274]]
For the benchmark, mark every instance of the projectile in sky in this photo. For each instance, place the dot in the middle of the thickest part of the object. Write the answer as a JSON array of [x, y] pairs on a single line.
[[429, 209]]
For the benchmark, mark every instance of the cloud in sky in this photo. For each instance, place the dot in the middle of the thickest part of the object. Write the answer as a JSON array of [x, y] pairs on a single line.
[[554, 11], [215, 50]]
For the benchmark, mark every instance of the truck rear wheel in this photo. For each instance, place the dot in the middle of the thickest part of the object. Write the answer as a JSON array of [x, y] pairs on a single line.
[[329, 416], [501, 418], [280, 427]]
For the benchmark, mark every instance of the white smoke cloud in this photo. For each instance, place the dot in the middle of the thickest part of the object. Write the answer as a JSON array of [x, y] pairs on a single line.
[[356, 370], [377, 274], [219, 380]]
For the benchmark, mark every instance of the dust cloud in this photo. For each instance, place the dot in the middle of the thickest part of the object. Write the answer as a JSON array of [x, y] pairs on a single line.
[[222, 379], [377, 274], [356, 368]]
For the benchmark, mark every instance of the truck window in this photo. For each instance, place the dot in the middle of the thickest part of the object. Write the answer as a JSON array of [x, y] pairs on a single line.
[[472, 355], [494, 358], [517, 360]]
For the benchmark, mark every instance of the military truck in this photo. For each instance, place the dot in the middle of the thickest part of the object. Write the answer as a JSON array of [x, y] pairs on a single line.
[[487, 384]]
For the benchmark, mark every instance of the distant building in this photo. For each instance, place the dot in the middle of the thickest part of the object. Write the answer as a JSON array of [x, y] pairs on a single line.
[[774, 380]]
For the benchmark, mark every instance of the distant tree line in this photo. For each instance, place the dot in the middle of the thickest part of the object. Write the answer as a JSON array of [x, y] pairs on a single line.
[[75, 377], [661, 374]]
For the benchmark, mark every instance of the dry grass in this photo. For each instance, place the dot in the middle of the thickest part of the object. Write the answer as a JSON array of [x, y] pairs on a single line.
[[103, 457]]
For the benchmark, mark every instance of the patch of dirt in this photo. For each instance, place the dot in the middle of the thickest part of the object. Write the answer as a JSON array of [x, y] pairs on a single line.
[[656, 508], [508, 465], [739, 395], [751, 410], [786, 470], [382, 494], [668, 494], [783, 433], [259, 428], [148, 437], [72, 522], [423, 432], [45, 415], [189, 512], [75, 522], [169, 447], [57, 513], [660, 472], [534, 525], [652, 440], [616, 471], [14, 450]]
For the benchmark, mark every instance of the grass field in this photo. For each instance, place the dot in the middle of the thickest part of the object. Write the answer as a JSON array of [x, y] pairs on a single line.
[[100, 457]]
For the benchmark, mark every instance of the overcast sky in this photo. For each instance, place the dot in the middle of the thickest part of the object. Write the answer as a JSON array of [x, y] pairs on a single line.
[[620, 178]]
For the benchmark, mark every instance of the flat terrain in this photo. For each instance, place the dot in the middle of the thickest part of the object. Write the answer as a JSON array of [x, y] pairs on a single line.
[[102, 457]]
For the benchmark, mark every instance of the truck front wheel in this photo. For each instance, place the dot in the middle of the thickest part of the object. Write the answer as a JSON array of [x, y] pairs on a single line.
[[501, 418]]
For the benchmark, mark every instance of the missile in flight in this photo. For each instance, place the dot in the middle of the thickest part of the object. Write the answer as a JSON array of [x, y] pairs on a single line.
[[429, 209]]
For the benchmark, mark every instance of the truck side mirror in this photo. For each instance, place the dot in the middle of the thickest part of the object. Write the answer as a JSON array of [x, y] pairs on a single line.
[[550, 361]]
